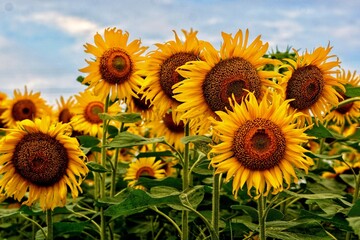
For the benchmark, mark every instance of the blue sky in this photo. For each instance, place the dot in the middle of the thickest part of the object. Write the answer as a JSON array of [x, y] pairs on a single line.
[[41, 42]]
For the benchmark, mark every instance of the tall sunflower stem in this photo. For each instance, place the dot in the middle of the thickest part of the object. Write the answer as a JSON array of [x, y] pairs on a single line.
[[103, 163], [216, 202], [186, 183], [262, 216], [49, 223], [115, 164]]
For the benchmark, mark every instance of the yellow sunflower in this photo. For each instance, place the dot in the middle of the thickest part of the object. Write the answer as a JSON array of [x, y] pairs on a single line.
[[64, 111], [234, 69], [27, 105], [144, 167], [143, 106], [350, 112], [260, 145], [170, 130], [310, 81], [3, 97], [115, 70], [42, 159], [161, 74], [87, 108]]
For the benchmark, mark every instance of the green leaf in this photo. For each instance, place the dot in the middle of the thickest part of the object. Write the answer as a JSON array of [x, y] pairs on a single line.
[[137, 201], [314, 196], [126, 139], [348, 179], [252, 212], [61, 228], [338, 220], [352, 91], [167, 182], [192, 196], [274, 215], [4, 213], [88, 141], [320, 131], [322, 156], [122, 117], [166, 153], [329, 206], [355, 209], [95, 167], [354, 223]]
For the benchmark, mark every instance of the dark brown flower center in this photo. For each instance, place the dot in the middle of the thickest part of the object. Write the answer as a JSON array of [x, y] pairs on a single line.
[[115, 66], [142, 103], [1, 120], [65, 115], [40, 159], [92, 111], [259, 144], [23, 109], [305, 86], [344, 108], [230, 76], [145, 172], [171, 125], [168, 74]]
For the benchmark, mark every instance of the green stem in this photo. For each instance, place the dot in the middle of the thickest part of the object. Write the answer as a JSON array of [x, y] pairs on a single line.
[[49, 223], [186, 183], [216, 203], [115, 164], [103, 178], [261, 213], [34, 223], [168, 218], [211, 229], [346, 101]]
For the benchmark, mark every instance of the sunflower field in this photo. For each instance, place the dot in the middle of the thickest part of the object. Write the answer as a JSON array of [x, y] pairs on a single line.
[[186, 141]]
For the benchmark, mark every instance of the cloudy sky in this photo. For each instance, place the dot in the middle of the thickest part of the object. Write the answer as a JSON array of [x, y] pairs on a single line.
[[41, 41]]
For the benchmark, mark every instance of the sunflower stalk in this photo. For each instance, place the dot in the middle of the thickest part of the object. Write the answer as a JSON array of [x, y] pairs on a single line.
[[103, 162], [216, 202], [262, 216], [186, 183], [49, 223]]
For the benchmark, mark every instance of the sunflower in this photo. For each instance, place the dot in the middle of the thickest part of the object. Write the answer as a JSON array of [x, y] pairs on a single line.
[[234, 69], [42, 159], [310, 82], [170, 130], [86, 110], [350, 112], [115, 70], [143, 106], [3, 97], [24, 106], [160, 70], [144, 167], [260, 145], [64, 111]]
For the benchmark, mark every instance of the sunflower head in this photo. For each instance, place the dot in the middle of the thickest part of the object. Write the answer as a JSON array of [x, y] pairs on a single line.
[[64, 111], [42, 159], [26, 105], [144, 167], [86, 111], [311, 83], [350, 112], [115, 71], [160, 69], [259, 145], [233, 70]]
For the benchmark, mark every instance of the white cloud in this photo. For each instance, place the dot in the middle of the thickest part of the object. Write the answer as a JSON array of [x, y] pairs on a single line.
[[69, 24], [4, 42]]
